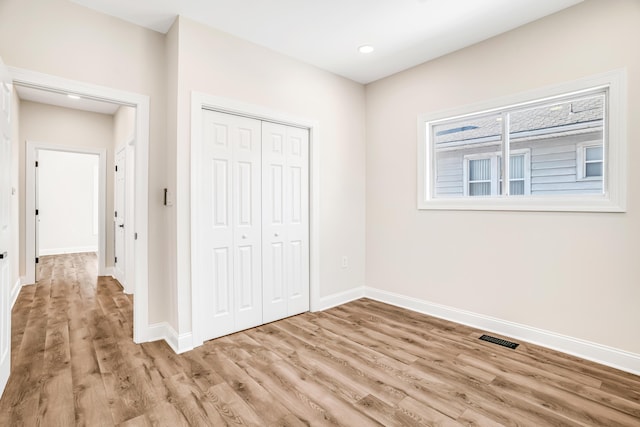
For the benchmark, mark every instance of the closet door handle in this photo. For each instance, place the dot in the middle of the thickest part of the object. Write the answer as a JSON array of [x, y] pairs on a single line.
[[276, 235], [4, 255], [244, 236]]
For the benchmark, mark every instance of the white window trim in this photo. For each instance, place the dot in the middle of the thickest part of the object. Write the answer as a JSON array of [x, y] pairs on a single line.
[[581, 163], [614, 199]]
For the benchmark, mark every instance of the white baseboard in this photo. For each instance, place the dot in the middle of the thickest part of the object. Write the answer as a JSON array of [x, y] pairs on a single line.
[[340, 298], [26, 280], [164, 331], [15, 290], [619, 359], [61, 251], [158, 331]]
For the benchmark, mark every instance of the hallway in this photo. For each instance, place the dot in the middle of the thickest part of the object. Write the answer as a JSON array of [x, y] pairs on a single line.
[[63, 335]]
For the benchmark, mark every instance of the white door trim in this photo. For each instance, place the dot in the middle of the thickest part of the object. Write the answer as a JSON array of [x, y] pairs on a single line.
[[224, 105], [141, 331], [129, 214], [30, 202], [120, 274]]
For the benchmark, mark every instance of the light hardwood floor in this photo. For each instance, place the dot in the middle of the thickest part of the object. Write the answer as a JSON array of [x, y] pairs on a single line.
[[364, 363]]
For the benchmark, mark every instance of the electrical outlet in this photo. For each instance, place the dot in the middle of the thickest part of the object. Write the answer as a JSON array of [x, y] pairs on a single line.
[[345, 262]]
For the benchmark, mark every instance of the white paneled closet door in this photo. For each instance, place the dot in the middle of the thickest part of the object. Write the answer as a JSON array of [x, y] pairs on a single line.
[[230, 245], [285, 221]]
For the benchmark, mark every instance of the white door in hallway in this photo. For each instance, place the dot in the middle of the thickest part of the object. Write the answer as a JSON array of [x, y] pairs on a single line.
[[230, 259], [285, 221], [5, 225], [120, 216]]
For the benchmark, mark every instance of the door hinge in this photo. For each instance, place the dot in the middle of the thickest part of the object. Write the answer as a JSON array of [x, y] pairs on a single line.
[[116, 168], [135, 236], [116, 214], [37, 260], [116, 260], [37, 212], [36, 163]]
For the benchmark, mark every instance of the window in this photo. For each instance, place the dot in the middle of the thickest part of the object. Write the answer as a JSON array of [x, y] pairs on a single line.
[[519, 175], [590, 160], [593, 162], [480, 179], [562, 147], [482, 174]]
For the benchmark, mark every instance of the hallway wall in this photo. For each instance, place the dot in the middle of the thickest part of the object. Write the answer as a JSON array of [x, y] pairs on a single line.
[[68, 203]]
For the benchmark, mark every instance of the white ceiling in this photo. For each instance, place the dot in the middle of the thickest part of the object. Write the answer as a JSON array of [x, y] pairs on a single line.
[[327, 33], [62, 100]]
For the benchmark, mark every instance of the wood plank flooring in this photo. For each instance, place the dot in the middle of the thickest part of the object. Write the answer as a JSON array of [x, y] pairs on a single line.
[[361, 364]]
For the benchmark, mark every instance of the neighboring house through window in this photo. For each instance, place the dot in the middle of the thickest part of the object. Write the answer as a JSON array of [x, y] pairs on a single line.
[[562, 151]]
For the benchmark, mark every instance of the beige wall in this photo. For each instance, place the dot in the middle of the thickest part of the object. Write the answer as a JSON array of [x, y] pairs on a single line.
[[124, 127], [575, 274], [222, 65], [61, 38], [66, 127]]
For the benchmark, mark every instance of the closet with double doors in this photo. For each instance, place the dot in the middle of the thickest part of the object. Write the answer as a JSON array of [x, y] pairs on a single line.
[[252, 223]]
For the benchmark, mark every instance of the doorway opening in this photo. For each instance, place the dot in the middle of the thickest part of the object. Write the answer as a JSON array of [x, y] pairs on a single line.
[[70, 203], [137, 236]]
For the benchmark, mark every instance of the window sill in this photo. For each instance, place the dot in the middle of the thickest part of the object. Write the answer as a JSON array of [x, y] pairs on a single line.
[[533, 204]]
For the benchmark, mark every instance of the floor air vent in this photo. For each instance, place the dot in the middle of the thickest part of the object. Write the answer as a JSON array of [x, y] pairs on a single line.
[[504, 343]]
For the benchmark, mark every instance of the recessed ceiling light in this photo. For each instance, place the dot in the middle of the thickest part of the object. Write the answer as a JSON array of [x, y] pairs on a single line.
[[365, 48], [73, 96]]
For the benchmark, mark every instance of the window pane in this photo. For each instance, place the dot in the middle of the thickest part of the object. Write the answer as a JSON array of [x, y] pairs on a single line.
[[480, 170], [516, 188], [593, 169], [480, 189], [455, 139], [553, 134], [516, 167], [593, 153]]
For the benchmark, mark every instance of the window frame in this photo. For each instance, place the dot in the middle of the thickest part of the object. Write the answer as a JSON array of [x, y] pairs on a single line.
[[615, 148]]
